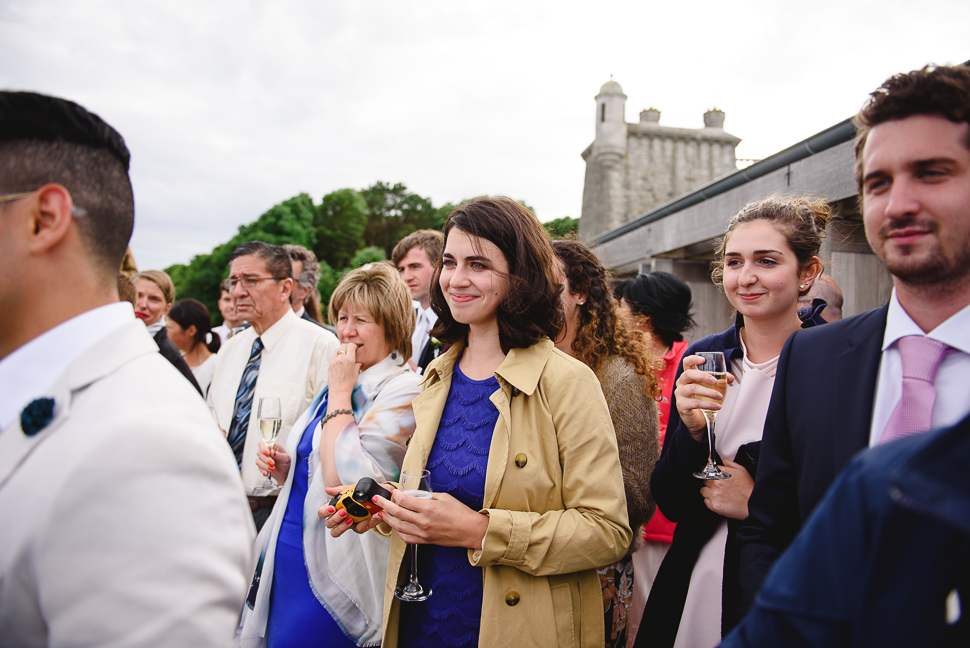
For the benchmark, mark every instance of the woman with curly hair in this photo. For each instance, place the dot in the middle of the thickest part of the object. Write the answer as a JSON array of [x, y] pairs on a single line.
[[597, 334]]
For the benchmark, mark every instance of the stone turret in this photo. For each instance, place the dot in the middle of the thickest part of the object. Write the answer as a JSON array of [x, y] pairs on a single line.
[[633, 168], [609, 147]]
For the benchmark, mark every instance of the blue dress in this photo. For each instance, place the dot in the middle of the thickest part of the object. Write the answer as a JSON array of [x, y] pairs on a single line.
[[458, 461], [296, 618]]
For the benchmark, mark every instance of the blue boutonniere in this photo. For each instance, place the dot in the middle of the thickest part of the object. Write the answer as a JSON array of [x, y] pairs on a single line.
[[36, 415]]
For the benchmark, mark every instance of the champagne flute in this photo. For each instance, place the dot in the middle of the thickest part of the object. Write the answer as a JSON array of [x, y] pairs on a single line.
[[416, 483], [270, 421], [715, 365]]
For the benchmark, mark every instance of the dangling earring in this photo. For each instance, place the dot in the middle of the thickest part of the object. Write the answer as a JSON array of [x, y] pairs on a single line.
[[393, 355]]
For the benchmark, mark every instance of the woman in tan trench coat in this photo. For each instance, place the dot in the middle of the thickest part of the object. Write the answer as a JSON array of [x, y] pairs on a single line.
[[523, 549]]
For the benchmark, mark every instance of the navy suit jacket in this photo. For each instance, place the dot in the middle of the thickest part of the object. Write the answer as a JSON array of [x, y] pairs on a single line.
[[820, 415]]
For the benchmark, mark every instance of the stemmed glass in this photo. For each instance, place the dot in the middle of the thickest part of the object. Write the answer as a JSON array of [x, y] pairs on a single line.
[[713, 364], [416, 483], [270, 421]]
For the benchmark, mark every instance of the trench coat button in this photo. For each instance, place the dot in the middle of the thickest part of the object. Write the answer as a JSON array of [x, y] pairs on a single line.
[[521, 460], [512, 598]]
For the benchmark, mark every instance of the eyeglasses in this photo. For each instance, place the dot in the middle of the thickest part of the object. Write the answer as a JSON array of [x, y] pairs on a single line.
[[75, 210], [249, 282]]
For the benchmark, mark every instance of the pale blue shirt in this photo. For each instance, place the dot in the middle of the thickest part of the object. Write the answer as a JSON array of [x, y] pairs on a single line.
[[952, 396], [27, 372]]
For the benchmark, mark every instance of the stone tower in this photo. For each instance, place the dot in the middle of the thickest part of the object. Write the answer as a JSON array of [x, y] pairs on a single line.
[[633, 168]]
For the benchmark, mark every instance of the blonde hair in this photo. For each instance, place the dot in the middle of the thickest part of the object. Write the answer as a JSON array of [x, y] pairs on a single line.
[[160, 279], [378, 288]]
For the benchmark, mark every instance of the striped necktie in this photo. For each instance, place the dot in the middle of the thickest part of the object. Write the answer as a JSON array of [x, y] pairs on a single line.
[[244, 403]]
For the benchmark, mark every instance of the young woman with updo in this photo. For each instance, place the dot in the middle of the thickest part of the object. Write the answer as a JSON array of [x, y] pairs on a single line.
[[767, 259]]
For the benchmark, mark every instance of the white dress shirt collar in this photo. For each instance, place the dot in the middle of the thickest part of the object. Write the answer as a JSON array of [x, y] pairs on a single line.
[[952, 398], [35, 366], [273, 334], [299, 313], [955, 331]]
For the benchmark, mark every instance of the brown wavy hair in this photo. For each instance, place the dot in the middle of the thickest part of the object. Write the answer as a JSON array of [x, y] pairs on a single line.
[[601, 330], [531, 309]]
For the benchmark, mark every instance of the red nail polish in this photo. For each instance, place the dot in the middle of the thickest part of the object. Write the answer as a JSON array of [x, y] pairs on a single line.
[[330, 509], [349, 521], [380, 515], [374, 499]]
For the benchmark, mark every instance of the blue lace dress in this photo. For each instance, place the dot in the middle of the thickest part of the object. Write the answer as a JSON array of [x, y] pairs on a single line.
[[297, 619], [457, 461]]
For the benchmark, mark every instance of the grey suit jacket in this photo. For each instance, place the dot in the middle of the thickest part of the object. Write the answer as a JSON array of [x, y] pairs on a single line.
[[124, 520]]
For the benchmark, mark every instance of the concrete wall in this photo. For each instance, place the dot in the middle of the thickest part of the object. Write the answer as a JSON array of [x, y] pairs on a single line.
[[683, 243]]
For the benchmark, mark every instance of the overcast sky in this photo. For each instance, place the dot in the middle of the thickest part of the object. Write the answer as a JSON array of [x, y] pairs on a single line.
[[230, 107]]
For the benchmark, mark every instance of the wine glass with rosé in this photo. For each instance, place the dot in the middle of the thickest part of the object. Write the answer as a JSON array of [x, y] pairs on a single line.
[[715, 365]]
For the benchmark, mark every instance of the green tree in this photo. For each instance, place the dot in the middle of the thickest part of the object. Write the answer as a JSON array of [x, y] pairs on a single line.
[[288, 222], [370, 254], [393, 213], [339, 222], [562, 228]]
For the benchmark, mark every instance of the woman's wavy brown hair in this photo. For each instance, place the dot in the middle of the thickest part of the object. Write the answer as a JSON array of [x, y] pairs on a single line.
[[601, 330], [531, 309]]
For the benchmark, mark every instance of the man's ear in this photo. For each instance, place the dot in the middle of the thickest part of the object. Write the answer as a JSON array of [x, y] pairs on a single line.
[[51, 218]]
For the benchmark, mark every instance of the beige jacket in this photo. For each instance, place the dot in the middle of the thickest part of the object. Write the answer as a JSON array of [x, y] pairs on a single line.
[[553, 494]]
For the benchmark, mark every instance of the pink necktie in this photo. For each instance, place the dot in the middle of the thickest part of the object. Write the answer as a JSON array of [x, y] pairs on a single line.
[[922, 358]]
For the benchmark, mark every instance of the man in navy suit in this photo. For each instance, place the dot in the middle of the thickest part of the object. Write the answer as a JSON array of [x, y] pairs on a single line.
[[415, 257], [837, 386]]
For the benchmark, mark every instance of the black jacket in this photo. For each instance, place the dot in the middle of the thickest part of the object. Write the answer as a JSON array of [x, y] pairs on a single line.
[[168, 349], [820, 415]]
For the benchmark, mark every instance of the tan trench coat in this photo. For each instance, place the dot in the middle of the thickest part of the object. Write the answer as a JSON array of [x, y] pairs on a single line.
[[553, 493]]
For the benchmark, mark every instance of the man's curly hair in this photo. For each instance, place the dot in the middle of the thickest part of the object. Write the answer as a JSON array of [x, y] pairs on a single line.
[[933, 90], [601, 330]]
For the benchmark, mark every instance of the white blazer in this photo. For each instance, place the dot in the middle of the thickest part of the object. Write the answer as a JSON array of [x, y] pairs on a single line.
[[123, 522]]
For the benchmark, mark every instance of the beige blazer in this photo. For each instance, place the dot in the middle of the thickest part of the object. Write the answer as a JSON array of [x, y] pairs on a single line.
[[123, 522], [553, 493]]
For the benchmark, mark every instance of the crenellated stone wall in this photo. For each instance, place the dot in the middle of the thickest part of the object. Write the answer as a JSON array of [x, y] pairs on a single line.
[[633, 168]]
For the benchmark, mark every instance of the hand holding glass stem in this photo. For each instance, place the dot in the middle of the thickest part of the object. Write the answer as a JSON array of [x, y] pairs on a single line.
[[713, 364]]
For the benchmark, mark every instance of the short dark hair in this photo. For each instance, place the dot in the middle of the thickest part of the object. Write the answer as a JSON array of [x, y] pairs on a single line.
[[531, 309], [934, 90], [45, 140], [665, 299], [310, 275], [189, 312], [431, 241], [277, 259]]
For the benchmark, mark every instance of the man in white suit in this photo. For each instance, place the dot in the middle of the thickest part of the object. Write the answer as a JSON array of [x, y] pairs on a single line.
[[124, 522]]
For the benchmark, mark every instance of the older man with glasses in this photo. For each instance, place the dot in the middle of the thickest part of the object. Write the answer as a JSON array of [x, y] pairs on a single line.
[[279, 355]]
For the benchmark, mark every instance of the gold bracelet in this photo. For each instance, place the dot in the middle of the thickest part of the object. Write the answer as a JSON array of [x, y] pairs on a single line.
[[335, 413]]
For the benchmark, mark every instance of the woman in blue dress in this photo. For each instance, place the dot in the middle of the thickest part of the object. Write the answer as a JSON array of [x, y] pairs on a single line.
[[310, 589], [528, 494]]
